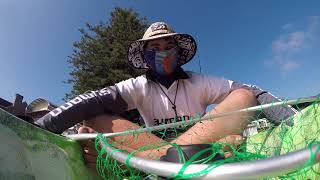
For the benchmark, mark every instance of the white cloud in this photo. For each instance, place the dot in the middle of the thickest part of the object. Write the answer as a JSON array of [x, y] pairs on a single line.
[[283, 63], [289, 66], [287, 26], [314, 23], [290, 44]]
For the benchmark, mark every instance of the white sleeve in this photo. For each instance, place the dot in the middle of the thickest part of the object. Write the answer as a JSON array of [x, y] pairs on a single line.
[[215, 89], [132, 91]]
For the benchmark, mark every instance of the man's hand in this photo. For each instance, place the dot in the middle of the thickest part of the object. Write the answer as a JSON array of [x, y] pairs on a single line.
[[88, 147], [234, 140]]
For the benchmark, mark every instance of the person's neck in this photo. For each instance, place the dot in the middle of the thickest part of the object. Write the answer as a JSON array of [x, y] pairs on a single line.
[[166, 80]]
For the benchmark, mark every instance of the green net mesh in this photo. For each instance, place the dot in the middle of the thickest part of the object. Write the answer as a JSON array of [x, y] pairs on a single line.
[[264, 140]]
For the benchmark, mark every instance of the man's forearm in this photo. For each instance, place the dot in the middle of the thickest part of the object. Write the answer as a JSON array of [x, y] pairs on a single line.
[[83, 107]]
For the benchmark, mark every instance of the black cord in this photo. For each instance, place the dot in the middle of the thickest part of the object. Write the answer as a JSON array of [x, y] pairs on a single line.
[[174, 107], [199, 63]]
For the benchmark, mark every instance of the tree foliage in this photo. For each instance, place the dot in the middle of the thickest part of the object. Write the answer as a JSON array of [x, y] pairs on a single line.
[[99, 59]]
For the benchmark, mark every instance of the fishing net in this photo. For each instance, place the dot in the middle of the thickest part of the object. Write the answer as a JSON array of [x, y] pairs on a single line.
[[264, 140]]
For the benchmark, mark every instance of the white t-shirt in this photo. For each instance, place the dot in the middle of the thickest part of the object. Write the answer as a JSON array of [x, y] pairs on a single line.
[[193, 96]]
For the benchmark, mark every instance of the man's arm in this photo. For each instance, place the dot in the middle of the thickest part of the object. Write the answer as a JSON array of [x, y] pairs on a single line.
[[83, 107]]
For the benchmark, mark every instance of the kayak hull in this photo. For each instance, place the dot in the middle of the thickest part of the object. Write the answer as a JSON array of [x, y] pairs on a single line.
[[29, 152]]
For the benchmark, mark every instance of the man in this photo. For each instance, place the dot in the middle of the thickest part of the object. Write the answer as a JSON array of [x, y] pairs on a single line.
[[165, 94]]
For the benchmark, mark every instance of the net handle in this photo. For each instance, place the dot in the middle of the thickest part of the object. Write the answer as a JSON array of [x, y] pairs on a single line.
[[256, 169]]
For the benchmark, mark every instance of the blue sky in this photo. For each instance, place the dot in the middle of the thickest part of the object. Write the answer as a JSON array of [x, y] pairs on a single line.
[[273, 44]]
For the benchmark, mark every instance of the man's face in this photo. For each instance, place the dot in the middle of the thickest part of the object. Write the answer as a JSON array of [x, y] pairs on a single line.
[[165, 56], [161, 44]]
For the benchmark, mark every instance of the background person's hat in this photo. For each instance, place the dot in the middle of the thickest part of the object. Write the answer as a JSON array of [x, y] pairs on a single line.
[[39, 105], [185, 42]]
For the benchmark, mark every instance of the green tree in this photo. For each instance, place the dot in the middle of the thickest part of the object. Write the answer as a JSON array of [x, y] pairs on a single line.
[[99, 59]]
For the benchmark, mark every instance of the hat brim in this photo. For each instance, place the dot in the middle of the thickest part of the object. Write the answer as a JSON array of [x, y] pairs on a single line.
[[185, 42], [38, 104], [159, 36]]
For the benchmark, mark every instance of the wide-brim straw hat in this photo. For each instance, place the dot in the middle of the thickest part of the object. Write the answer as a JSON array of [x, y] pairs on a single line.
[[185, 42]]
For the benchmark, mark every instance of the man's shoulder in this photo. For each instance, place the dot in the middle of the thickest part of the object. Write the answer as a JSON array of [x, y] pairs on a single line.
[[139, 80], [199, 78], [193, 75]]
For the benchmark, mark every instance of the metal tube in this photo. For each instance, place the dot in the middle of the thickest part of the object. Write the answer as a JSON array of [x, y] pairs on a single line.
[[270, 167]]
